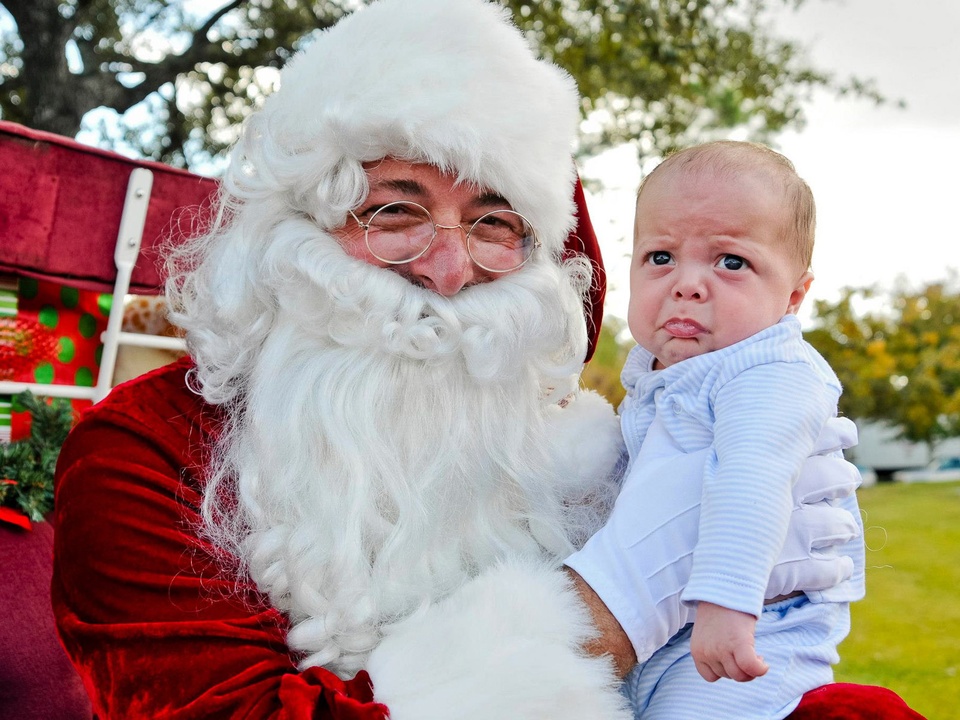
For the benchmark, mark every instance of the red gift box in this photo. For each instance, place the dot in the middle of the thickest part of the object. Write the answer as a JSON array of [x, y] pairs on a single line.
[[61, 204], [54, 338]]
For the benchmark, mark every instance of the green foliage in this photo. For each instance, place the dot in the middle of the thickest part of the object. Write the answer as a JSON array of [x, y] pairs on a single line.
[[602, 373], [657, 73], [897, 356], [663, 74], [906, 633], [30, 463]]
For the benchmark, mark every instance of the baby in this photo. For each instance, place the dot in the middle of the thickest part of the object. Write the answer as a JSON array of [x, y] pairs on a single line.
[[724, 403]]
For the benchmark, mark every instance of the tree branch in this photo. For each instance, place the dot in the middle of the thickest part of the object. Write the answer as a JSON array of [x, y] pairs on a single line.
[[157, 74], [201, 32]]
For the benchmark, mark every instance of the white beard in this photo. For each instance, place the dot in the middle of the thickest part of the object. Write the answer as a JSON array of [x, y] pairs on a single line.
[[392, 442]]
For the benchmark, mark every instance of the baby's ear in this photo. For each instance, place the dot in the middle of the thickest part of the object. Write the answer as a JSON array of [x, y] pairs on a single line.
[[799, 293]]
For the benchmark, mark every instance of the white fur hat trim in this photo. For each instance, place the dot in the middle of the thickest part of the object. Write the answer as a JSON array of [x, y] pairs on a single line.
[[452, 83]]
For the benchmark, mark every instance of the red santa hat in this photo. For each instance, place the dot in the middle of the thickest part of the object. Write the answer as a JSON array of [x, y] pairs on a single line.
[[452, 83]]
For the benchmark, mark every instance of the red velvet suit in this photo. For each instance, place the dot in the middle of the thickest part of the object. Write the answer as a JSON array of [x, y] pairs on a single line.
[[153, 627], [156, 629]]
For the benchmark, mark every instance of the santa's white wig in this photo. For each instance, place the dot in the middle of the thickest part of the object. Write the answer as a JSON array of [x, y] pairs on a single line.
[[450, 84], [385, 443]]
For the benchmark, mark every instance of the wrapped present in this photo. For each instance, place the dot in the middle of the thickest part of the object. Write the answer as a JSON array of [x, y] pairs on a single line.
[[49, 335]]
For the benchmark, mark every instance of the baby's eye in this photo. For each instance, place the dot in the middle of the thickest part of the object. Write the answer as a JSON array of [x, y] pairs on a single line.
[[732, 262], [659, 257]]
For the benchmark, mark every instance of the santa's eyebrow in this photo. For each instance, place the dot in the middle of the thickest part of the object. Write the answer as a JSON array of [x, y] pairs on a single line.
[[406, 186], [491, 199], [401, 185]]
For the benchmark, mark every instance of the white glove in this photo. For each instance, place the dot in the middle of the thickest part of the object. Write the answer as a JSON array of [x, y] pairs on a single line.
[[640, 577], [810, 560], [839, 433]]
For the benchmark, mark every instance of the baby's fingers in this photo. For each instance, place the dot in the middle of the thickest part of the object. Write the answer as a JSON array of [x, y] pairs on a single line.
[[748, 665], [708, 670]]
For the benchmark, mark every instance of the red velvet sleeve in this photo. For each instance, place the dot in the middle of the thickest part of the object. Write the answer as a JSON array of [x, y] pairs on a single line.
[[154, 627], [849, 701]]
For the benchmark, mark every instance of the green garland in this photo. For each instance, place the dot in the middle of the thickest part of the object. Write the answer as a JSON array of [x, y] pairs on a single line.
[[30, 463]]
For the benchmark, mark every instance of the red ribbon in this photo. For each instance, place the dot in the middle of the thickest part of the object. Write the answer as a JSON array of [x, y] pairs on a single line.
[[14, 517]]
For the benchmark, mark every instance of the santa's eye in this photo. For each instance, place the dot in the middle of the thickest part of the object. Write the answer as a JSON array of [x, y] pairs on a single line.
[[732, 262]]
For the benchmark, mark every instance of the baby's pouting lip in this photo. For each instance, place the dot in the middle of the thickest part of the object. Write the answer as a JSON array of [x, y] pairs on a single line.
[[683, 327]]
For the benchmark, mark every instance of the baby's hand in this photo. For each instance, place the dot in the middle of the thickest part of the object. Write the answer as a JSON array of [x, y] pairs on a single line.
[[723, 644]]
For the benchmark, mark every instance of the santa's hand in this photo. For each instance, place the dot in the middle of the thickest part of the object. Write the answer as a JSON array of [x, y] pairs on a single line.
[[838, 433], [810, 560], [824, 478], [508, 644]]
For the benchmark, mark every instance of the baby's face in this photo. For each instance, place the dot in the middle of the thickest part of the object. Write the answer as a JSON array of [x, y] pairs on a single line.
[[709, 266]]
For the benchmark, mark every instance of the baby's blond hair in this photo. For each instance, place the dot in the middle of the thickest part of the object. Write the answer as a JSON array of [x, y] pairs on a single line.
[[730, 157]]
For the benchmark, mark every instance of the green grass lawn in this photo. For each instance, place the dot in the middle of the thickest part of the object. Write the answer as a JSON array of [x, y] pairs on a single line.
[[906, 633]]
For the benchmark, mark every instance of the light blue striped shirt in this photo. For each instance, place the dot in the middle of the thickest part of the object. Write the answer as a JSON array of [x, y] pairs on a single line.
[[756, 409], [730, 427]]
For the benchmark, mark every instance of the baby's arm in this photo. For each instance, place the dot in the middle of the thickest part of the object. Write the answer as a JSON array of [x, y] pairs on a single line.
[[759, 447], [722, 644]]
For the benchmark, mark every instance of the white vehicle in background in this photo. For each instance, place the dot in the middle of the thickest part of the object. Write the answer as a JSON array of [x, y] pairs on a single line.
[[943, 470], [868, 476]]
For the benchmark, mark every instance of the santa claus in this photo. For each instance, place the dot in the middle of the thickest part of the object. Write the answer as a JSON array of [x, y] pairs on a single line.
[[355, 497]]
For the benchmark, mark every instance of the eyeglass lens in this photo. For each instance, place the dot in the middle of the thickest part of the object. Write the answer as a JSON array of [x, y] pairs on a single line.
[[401, 231]]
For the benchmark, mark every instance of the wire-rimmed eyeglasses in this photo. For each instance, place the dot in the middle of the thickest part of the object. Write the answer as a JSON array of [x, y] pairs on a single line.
[[402, 231]]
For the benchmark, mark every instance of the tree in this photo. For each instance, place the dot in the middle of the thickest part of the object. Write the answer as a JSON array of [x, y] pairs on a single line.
[[655, 72], [898, 358]]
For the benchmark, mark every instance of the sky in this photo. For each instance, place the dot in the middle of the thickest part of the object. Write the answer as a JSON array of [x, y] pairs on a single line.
[[886, 180]]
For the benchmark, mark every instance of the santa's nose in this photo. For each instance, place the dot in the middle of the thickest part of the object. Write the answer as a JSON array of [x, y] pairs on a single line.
[[446, 267]]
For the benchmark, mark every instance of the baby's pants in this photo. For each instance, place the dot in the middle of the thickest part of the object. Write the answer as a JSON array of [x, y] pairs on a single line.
[[796, 638]]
